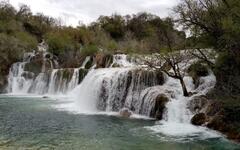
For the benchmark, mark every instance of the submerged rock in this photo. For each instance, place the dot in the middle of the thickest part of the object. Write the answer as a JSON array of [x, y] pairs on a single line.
[[126, 113], [199, 119], [160, 102]]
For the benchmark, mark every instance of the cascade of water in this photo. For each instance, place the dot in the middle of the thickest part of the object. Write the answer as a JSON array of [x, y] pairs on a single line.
[[17, 82], [122, 61], [52, 84], [87, 59], [49, 80], [74, 80], [40, 84], [114, 89]]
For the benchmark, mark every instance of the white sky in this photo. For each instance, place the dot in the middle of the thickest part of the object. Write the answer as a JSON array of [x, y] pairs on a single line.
[[86, 11]]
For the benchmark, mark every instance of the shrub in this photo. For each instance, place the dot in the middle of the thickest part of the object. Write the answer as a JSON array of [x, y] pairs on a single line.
[[89, 50]]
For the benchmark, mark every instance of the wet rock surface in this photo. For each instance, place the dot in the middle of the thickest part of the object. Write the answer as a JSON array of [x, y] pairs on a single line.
[[199, 119], [160, 102], [103, 60]]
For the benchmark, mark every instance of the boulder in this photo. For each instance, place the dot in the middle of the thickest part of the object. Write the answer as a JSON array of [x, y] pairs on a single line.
[[126, 113], [199, 119], [198, 104], [158, 109]]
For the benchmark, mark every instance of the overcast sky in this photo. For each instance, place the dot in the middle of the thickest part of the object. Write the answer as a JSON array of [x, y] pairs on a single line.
[[86, 11]]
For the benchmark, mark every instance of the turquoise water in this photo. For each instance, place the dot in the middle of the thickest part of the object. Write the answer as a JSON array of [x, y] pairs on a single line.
[[34, 123]]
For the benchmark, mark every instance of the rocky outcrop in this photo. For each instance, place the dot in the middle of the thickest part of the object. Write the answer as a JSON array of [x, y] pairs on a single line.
[[103, 60], [198, 104], [214, 115], [158, 109]]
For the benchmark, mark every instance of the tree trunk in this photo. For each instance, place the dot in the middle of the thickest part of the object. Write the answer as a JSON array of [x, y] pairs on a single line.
[[184, 88]]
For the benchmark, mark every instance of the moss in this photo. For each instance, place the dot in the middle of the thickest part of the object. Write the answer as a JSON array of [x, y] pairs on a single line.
[[89, 63], [67, 74]]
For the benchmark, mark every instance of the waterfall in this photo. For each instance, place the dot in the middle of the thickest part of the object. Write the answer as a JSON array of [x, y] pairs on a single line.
[[32, 76], [75, 77], [114, 89], [124, 85], [177, 116], [17, 83], [87, 59]]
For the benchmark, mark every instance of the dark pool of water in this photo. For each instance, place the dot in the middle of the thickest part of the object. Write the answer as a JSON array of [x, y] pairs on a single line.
[[31, 123]]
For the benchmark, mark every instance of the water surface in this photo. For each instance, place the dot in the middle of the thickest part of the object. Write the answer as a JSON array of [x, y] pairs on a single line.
[[34, 123]]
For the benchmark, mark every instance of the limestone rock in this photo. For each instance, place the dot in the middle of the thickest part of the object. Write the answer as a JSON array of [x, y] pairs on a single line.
[[199, 119]]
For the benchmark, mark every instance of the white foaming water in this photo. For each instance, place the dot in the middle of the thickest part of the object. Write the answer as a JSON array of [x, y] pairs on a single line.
[[112, 89], [177, 117], [17, 82], [122, 61], [54, 81]]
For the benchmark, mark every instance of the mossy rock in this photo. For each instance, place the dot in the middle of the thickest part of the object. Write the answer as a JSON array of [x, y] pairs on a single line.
[[158, 109], [89, 64], [35, 67], [67, 73], [196, 71], [82, 74]]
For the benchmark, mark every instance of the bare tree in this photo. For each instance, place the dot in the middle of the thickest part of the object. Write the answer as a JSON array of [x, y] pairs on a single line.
[[172, 64]]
